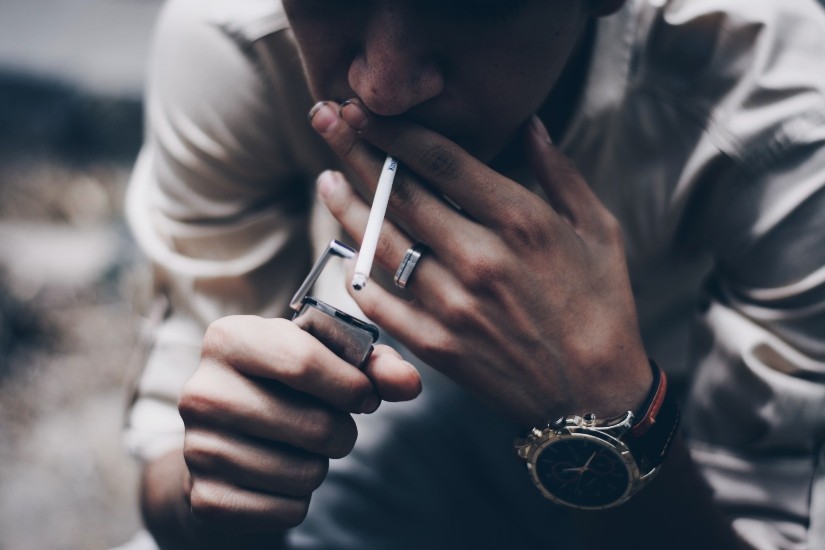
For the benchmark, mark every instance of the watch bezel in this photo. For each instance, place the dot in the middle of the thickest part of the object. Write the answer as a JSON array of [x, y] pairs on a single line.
[[642, 446], [574, 429]]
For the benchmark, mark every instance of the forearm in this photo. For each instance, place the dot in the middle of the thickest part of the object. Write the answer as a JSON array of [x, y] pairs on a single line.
[[168, 516], [675, 511]]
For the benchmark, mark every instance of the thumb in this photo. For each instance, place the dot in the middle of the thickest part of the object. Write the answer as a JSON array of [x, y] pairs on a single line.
[[393, 378]]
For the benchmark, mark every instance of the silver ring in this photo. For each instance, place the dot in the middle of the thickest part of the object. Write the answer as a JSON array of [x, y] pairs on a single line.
[[407, 265]]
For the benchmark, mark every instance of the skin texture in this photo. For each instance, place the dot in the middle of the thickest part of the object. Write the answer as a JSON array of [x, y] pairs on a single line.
[[570, 341], [470, 78], [524, 301]]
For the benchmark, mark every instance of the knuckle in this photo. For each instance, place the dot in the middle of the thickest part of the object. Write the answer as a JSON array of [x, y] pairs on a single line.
[[605, 230], [333, 435], [524, 230], [311, 473], [565, 168], [298, 359], [204, 452], [483, 272], [344, 141], [320, 429], [348, 148], [194, 403], [357, 390], [293, 512], [440, 162], [613, 230], [345, 438], [439, 348], [282, 326], [385, 250], [213, 503], [405, 194], [299, 369], [217, 339], [197, 452], [457, 309]]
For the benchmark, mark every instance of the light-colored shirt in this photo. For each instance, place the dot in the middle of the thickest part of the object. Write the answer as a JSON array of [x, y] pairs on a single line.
[[702, 128]]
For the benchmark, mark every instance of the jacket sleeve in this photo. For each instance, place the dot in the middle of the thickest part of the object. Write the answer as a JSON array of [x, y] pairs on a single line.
[[756, 409], [755, 204], [217, 200]]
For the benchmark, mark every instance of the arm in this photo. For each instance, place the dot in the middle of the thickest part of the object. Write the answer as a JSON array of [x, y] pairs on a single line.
[[217, 203]]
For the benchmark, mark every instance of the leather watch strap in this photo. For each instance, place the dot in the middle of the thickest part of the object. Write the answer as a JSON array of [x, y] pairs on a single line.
[[646, 416], [651, 436]]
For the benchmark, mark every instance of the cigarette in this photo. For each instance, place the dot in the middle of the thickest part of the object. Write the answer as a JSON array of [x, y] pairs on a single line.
[[366, 255]]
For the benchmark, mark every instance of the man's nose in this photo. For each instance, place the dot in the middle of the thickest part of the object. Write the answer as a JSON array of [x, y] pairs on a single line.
[[396, 68]]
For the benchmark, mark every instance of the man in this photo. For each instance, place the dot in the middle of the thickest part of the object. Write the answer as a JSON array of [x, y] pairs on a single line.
[[673, 214]]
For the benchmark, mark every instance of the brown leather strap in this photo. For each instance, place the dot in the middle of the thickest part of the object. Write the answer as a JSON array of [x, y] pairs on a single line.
[[651, 437], [647, 414]]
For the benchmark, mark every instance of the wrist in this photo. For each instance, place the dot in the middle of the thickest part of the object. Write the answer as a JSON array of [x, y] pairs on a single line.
[[618, 377], [611, 387], [624, 388]]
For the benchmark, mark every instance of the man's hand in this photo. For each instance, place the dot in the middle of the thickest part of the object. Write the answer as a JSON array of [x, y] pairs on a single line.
[[524, 301], [267, 408]]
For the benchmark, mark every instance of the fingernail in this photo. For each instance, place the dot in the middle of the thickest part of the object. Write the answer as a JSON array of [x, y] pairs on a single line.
[[538, 127], [370, 404], [327, 182], [322, 116], [354, 114], [315, 109]]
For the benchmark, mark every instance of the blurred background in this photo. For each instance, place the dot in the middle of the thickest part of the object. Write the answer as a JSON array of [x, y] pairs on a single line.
[[71, 281]]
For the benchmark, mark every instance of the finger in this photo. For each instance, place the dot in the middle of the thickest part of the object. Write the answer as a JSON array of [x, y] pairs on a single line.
[[220, 398], [231, 508], [365, 159], [407, 321], [561, 181], [254, 463], [428, 217], [478, 190], [278, 349], [352, 213], [395, 378]]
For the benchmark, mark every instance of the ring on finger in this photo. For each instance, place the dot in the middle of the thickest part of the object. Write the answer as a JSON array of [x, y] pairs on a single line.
[[408, 264]]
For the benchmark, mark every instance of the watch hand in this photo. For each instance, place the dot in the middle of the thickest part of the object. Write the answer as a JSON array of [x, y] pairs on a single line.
[[583, 468], [587, 464]]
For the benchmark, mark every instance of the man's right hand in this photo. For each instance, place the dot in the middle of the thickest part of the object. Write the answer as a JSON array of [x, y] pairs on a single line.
[[267, 408]]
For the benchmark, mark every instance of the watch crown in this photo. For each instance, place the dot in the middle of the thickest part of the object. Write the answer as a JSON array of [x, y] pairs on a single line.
[[559, 422], [589, 419]]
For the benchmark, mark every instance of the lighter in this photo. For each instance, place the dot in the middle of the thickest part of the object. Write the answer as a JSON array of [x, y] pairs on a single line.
[[349, 338]]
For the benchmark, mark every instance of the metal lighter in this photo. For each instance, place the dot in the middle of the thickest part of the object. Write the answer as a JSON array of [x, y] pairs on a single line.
[[346, 336]]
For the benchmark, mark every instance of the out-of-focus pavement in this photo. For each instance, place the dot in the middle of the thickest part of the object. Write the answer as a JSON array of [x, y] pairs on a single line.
[[98, 46], [71, 282]]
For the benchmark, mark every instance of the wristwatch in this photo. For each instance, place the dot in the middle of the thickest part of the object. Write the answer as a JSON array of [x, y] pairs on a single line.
[[589, 463]]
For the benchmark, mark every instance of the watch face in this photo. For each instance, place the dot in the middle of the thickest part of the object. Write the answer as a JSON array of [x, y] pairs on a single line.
[[582, 471]]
